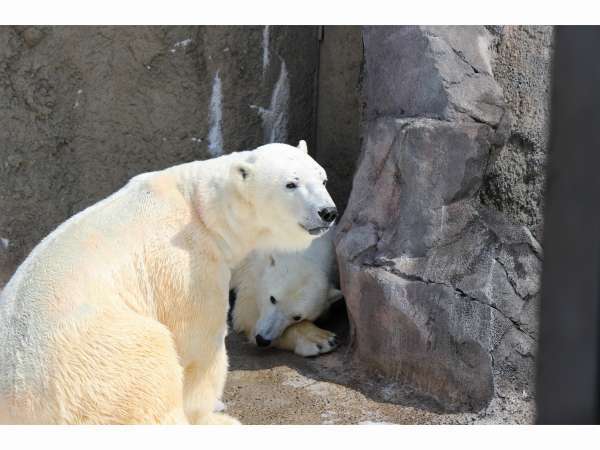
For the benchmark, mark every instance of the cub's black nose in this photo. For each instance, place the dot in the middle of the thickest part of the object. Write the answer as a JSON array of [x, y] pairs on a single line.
[[328, 214], [261, 341]]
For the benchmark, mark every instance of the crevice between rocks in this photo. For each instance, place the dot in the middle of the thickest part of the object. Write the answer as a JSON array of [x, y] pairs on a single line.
[[416, 278]]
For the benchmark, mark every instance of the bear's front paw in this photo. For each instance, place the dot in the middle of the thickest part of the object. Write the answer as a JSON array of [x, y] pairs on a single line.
[[315, 341]]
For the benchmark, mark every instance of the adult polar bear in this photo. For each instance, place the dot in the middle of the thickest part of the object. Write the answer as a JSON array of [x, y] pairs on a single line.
[[119, 315]]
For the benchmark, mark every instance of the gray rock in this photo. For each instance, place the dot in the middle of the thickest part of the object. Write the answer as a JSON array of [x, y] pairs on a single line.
[[442, 289], [516, 178], [419, 349], [437, 72]]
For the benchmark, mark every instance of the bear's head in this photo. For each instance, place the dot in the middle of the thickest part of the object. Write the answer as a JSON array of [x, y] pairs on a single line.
[[285, 188], [293, 287]]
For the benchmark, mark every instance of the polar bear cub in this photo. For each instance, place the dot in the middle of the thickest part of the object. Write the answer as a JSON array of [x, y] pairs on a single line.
[[119, 315], [280, 294]]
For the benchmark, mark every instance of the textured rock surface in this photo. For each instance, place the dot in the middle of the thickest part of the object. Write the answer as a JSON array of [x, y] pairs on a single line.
[[437, 72], [515, 179], [82, 109], [442, 288]]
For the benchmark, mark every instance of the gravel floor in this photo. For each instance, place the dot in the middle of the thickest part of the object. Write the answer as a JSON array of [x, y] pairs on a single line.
[[270, 386]]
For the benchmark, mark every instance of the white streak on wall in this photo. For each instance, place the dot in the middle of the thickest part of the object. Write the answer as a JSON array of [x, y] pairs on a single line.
[[265, 49], [4, 243], [215, 116], [79, 92], [182, 44], [275, 119], [279, 106]]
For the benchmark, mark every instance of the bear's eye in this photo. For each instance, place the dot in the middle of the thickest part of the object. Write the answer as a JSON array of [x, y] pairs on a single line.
[[291, 185], [297, 318], [273, 300], [324, 182]]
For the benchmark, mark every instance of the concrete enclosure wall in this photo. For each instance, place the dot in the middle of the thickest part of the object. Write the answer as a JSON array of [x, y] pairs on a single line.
[[339, 107], [83, 109]]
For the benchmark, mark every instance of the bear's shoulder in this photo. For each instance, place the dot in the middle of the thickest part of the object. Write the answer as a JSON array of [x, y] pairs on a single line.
[[160, 187]]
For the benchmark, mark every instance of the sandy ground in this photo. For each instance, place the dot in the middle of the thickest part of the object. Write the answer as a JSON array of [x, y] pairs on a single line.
[[270, 386]]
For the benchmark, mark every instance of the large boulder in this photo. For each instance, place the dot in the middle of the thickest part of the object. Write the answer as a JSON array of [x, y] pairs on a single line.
[[441, 287]]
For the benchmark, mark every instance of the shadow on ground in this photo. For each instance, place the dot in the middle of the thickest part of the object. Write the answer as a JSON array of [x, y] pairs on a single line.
[[277, 387], [270, 386]]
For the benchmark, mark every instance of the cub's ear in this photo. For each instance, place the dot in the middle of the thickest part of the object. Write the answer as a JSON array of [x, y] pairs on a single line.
[[334, 295], [302, 146], [241, 171]]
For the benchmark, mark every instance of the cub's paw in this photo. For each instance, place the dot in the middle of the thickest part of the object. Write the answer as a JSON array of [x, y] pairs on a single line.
[[315, 341]]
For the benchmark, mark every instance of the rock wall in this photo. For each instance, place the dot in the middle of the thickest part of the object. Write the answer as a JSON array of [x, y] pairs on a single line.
[[515, 178], [83, 109], [439, 260]]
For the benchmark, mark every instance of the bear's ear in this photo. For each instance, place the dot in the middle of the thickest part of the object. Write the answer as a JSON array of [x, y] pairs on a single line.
[[302, 146], [333, 295], [241, 171]]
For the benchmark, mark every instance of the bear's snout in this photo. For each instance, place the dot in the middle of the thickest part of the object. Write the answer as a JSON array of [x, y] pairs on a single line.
[[261, 341], [328, 214]]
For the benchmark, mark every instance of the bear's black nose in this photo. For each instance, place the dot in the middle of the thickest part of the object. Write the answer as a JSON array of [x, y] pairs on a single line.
[[261, 341], [328, 214]]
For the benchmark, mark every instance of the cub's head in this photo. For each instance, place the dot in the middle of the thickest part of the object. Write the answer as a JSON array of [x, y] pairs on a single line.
[[293, 287], [286, 188]]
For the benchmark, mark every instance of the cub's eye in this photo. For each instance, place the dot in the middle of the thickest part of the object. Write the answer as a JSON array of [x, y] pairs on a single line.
[[291, 185], [297, 318], [273, 300], [324, 182]]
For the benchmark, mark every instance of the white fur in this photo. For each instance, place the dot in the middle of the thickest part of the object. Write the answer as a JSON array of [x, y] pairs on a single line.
[[302, 285], [119, 315]]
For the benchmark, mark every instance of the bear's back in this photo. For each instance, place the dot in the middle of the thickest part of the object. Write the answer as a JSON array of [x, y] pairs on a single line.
[[66, 268]]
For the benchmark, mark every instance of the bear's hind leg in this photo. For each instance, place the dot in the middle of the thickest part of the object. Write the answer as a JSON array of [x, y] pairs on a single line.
[[218, 419], [203, 386], [122, 369], [176, 417]]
